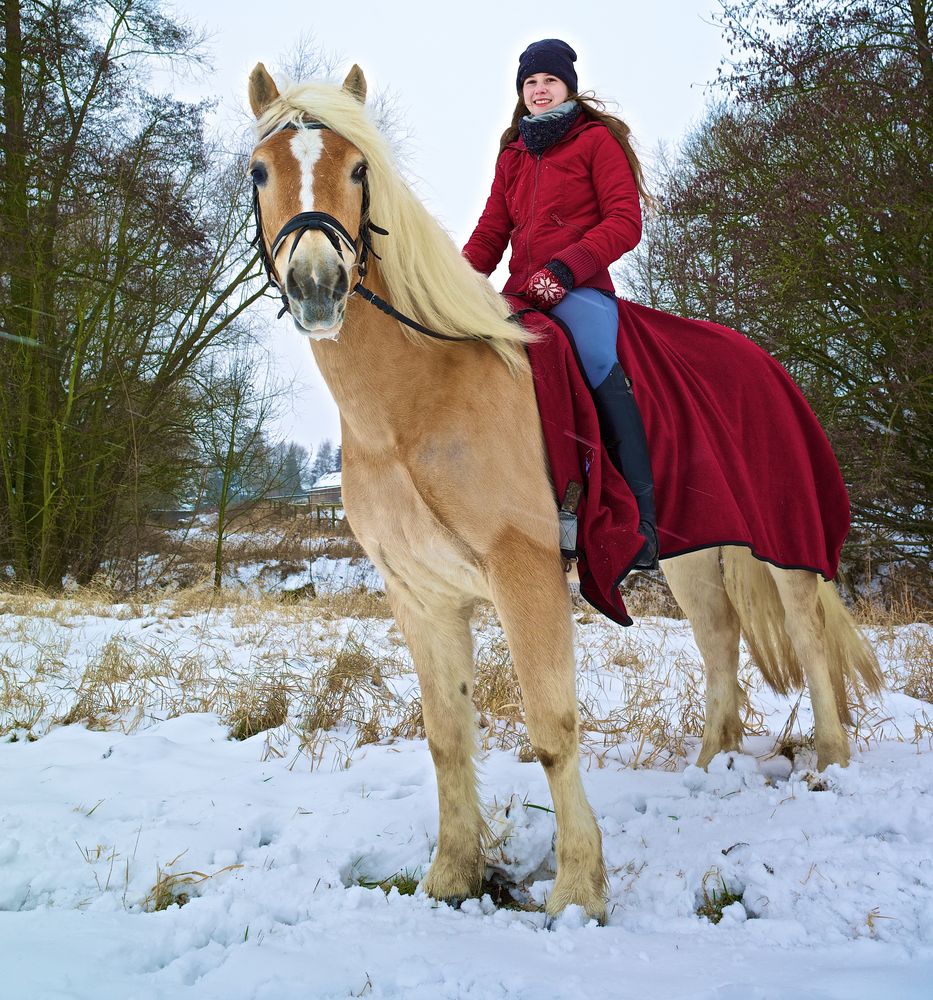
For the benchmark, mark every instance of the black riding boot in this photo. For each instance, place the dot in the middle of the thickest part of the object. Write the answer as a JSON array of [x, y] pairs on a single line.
[[624, 436]]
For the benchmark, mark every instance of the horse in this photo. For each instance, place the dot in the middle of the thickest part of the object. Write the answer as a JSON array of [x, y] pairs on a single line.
[[446, 484]]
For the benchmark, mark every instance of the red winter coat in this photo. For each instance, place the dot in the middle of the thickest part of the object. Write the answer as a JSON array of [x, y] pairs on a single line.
[[576, 202]]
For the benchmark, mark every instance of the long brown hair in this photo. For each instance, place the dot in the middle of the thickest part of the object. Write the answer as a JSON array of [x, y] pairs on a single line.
[[595, 110]]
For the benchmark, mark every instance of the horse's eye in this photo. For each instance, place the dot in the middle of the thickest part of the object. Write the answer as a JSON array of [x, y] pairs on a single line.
[[359, 172], [259, 175]]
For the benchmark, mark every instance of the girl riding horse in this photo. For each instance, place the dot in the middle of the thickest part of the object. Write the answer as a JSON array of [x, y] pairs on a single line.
[[566, 194]]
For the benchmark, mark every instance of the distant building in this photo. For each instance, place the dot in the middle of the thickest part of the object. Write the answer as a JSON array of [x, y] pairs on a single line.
[[326, 490], [171, 518]]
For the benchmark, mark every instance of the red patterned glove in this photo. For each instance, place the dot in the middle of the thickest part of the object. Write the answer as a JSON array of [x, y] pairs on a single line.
[[544, 290]]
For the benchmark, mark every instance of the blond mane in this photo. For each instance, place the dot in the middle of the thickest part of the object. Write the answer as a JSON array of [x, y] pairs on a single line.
[[425, 274]]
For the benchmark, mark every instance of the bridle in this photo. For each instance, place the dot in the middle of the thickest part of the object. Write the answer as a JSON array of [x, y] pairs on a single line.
[[339, 238]]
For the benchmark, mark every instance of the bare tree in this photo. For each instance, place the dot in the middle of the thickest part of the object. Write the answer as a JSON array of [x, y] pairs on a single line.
[[241, 466], [123, 238], [800, 211]]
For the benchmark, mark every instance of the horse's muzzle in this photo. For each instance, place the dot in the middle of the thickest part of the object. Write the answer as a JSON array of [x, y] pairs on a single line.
[[317, 296]]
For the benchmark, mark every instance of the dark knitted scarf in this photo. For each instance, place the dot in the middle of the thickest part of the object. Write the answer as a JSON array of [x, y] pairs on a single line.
[[540, 132]]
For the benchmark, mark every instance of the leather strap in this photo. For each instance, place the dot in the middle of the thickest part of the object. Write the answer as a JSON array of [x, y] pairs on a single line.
[[336, 232]]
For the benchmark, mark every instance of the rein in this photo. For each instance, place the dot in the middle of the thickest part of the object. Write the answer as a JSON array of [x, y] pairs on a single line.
[[338, 236]]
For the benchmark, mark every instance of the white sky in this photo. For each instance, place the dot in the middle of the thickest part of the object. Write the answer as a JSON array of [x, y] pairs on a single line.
[[452, 67]]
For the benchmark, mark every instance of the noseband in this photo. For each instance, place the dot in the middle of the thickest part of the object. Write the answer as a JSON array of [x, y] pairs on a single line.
[[339, 237]]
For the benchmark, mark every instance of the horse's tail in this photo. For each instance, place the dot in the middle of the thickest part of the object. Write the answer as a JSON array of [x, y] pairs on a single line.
[[754, 595]]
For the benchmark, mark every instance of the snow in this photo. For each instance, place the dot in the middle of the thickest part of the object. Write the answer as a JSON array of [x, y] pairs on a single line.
[[328, 479], [835, 872], [328, 575]]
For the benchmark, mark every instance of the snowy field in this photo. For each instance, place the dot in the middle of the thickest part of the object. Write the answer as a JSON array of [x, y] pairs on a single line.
[[144, 853]]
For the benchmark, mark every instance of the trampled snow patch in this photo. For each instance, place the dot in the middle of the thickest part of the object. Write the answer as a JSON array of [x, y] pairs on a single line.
[[835, 872]]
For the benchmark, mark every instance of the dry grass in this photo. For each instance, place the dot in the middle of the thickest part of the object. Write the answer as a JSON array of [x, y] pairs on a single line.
[[714, 900], [345, 691], [22, 699], [356, 603], [95, 600], [923, 732], [901, 597], [174, 888], [917, 651], [873, 614], [349, 704], [658, 700], [658, 703], [31, 669], [289, 668], [130, 680], [792, 741], [285, 539], [330, 691], [258, 664], [909, 652], [497, 697], [660, 706], [250, 608], [258, 708]]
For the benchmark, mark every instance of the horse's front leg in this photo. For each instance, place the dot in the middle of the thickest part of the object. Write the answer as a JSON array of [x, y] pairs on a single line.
[[531, 595], [441, 646]]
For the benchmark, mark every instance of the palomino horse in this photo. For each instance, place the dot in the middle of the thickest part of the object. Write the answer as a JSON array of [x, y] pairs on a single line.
[[446, 484]]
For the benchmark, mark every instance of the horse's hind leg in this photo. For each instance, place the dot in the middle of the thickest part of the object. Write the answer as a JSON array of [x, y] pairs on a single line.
[[696, 583], [441, 646], [804, 624], [532, 599]]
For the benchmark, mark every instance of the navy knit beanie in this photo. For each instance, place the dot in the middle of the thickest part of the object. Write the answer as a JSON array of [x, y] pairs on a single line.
[[550, 55]]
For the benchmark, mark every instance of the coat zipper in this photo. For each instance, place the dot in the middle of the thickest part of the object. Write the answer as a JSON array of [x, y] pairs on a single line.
[[555, 218], [534, 199]]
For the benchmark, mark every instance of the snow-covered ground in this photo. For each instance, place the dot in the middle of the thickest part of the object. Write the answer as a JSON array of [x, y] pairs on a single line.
[[328, 575], [268, 846], [305, 560]]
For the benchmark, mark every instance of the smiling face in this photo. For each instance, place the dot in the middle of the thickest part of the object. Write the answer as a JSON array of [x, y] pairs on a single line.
[[543, 92]]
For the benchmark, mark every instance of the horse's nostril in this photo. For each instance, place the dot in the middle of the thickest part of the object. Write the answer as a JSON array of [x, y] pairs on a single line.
[[303, 284], [341, 284]]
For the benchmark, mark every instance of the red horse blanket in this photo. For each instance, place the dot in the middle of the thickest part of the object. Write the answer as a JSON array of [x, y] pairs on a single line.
[[737, 454]]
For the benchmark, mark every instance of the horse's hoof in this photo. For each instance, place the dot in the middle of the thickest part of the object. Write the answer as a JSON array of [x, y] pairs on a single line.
[[454, 902], [551, 918], [448, 888]]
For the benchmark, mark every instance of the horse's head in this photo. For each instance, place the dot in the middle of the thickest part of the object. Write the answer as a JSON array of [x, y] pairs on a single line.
[[310, 198]]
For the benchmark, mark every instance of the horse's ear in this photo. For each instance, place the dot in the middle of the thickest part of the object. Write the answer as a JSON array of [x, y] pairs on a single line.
[[355, 84], [262, 89]]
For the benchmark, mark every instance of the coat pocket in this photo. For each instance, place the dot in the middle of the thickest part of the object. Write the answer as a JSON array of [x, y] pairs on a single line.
[[571, 227]]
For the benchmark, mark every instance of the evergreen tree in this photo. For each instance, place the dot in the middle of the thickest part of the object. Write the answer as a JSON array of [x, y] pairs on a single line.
[[323, 461]]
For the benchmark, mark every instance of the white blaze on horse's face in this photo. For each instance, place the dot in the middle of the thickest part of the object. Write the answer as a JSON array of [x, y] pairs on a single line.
[[307, 145], [310, 170]]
